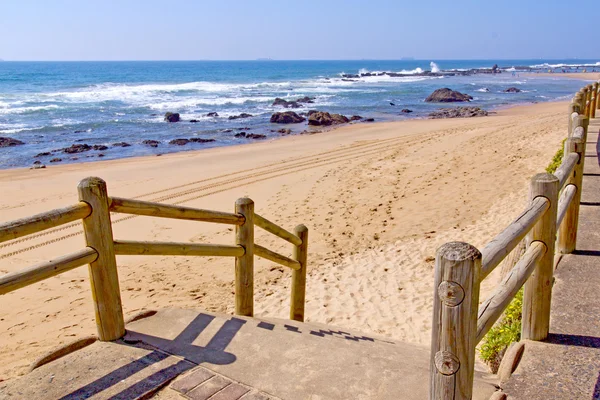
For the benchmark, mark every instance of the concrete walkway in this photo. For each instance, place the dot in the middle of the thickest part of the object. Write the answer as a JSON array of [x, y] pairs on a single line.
[[178, 354], [567, 365]]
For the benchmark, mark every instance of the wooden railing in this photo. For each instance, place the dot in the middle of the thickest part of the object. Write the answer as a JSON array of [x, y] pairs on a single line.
[[459, 323], [94, 210]]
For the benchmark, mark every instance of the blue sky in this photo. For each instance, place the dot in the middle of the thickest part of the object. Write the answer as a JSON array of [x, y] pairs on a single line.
[[300, 29]]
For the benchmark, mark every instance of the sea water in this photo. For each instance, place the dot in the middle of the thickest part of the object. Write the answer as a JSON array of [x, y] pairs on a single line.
[[53, 105]]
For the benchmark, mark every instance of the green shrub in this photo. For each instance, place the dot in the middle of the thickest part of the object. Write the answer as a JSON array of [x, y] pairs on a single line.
[[508, 329]]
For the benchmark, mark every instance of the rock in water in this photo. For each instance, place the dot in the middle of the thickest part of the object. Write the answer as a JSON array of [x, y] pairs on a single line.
[[512, 90], [458, 112], [201, 140], [212, 114], [121, 144], [406, 111], [179, 142], [446, 95], [355, 118], [172, 117], [306, 99], [321, 118], [242, 115], [288, 117], [7, 142], [151, 143]]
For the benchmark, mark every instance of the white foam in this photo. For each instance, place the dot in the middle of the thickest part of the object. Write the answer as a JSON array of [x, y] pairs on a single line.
[[434, 67], [562, 65], [21, 110]]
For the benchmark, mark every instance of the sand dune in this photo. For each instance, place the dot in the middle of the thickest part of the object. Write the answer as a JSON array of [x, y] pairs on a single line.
[[378, 200]]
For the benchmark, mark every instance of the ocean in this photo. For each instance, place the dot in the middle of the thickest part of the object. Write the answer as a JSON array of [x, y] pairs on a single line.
[[53, 105]]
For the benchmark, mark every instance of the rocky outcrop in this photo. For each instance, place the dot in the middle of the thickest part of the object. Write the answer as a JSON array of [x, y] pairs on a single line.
[[172, 117], [513, 90], [355, 118], [446, 95], [242, 115], [55, 160], [458, 112], [212, 114], [194, 121], [306, 99], [151, 143], [250, 135], [284, 131], [121, 144], [44, 154], [322, 118], [201, 140], [81, 148], [406, 111], [287, 117], [369, 120], [179, 142], [8, 142], [287, 104]]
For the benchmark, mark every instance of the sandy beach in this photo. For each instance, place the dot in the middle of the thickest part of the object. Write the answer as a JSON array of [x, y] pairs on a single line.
[[378, 200], [586, 76]]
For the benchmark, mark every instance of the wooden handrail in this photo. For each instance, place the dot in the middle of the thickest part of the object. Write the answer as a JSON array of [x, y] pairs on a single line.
[[500, 246], [276, 257], [149, 209], [494, 306], [276, 230], [46, 220], [566, 197], [46, 269], [566, 168], [126, 247]]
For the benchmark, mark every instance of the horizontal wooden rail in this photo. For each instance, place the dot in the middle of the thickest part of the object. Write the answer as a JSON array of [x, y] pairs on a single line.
[[40, 222], [149, 209], [276, 257], [564, 202], [46, 269], [125, 247], [509, 238], [276, 230], [495, 305], [564, 171]]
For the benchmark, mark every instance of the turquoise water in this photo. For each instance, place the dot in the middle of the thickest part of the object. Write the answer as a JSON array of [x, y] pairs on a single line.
[[52, 105]]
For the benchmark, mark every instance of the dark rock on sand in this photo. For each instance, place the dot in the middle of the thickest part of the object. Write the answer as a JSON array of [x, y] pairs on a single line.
[[172, 117], [179, 142], [284, 131], [321, 118], [355, 118], [369, 120], [201, 140], [406, 111], [6, 142], [151, 143], [458, 112], [121, 144], [242, 115], [446, 95], [288, 117], [512, 90], [212, 114], [56, 160]]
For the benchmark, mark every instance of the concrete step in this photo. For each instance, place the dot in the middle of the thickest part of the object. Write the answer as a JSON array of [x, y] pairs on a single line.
[[226, 357]]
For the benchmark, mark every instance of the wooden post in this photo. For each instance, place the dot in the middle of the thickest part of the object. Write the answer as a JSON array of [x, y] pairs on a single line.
[[538, 288], [567, 232], [593, 107], [573, 108], [103, 272], [244, 265], [299, 276], [454, 328]]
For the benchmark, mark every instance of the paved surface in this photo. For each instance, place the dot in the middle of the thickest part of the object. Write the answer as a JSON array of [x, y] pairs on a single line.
[[202, 356], [567, 365]]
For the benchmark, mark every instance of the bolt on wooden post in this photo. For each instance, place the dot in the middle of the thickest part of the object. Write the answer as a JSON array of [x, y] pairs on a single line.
[[300, 254], [244, 265], [537, 294], [103, 272], [567, 232], [454, 327]]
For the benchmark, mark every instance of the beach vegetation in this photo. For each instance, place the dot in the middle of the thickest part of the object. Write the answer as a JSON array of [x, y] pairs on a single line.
[[508, 329]]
